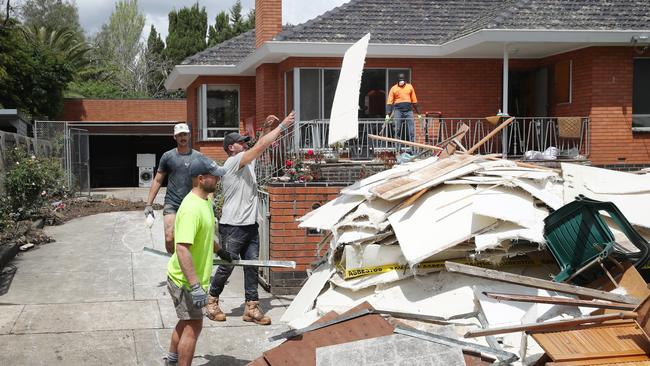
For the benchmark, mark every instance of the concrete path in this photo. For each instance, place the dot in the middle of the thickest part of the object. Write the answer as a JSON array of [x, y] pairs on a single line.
[[94, 298]]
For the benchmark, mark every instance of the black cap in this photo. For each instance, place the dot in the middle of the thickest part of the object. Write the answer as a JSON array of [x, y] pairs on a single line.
[[232, 138], [401, 77], [204, 166]]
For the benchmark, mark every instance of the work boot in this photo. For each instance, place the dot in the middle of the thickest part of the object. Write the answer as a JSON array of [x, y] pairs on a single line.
[[254, 314], [214, 312]]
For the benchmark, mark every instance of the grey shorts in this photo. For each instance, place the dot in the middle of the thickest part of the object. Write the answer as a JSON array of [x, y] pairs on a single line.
[[169, 209], [185, 309]]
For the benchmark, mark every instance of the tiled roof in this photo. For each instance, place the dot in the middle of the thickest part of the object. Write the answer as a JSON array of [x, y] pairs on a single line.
[[432, 22], [230, 52]]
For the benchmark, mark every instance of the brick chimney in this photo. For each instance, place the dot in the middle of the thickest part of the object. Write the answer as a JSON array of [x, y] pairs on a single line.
[[268, 20]]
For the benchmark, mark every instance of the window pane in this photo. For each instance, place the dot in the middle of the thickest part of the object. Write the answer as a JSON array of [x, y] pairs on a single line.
[[372, 94], [330, 79], [641, 93], [309, 94], [222, 110], [562, 82]]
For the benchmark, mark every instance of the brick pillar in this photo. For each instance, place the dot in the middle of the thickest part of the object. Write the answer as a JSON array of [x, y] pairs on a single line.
[[268, 20], [267, 86]]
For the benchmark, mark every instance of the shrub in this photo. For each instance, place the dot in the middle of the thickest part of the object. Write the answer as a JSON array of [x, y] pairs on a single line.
[[30, 183]]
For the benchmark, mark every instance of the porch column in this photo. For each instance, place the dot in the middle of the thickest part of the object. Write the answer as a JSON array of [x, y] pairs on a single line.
[[504, 98]]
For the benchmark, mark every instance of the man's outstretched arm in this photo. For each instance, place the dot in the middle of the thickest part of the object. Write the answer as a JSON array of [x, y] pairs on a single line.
[[266, 140]]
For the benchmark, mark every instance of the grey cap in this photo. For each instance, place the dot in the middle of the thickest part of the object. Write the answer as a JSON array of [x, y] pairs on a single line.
[[232, 138], [204, 166]]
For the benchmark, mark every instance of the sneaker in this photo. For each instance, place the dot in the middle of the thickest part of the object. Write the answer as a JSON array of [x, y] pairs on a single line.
[[214, 312], [253, 313]]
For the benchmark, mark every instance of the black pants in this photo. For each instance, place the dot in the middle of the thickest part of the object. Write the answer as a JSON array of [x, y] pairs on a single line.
[[241, 242]]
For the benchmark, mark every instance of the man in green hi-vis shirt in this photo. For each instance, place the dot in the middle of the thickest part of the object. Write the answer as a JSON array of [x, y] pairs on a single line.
[[189, 268]]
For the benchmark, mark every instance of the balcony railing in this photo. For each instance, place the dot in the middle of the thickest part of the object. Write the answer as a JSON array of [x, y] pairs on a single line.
[[307, 139]]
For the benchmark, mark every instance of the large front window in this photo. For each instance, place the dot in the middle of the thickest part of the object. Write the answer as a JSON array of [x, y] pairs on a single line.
[[641, 95], [217, 110], [313, 89]]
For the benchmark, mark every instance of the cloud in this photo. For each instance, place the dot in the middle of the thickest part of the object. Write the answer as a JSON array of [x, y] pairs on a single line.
[[93, 13]]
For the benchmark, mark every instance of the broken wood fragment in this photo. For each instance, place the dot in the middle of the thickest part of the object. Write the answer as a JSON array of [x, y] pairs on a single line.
[[548, 326], [560, 301], [487, 137], [403, 142], [538, 283]]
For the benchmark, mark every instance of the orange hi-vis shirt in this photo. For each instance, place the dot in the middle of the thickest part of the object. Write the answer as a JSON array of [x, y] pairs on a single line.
[[402, 94]]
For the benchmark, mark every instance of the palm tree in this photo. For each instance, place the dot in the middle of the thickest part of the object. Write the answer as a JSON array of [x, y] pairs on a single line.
[[64, 42]]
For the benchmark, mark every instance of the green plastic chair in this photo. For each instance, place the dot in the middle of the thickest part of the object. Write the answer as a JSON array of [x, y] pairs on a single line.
[[578, 237]]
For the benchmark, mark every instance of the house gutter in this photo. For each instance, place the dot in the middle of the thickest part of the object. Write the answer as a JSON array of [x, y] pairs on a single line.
[[275, 51]]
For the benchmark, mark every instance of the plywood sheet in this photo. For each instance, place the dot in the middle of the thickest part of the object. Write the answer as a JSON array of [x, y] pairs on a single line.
[[439, 220]]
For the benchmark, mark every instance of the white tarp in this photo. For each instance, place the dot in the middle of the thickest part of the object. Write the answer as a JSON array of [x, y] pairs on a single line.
[[439, 220], [344, 120]]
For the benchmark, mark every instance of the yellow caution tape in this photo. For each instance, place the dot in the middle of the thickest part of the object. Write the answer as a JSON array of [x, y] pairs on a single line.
[[512, 262]]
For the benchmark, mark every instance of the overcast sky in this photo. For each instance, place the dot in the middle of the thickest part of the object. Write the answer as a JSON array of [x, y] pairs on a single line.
[[94, 13]]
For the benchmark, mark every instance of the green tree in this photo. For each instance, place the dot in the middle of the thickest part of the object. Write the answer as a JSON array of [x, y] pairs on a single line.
[[230, 25], [119, 48], [157, 65], [187, 31], [62, 41], [52, 14]]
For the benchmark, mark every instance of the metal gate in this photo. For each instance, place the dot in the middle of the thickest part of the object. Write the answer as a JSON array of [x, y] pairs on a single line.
[[71, 146], [264, 222]]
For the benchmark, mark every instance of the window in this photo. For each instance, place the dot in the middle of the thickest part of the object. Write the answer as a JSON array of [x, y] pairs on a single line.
[[217, 110], [562, 81], [315, 89], [641, 94]]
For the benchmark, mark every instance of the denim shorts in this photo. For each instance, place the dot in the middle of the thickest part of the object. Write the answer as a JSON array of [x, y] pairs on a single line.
[[169, 209]]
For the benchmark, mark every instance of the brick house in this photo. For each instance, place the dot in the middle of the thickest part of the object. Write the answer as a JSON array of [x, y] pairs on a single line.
[[545, 60]]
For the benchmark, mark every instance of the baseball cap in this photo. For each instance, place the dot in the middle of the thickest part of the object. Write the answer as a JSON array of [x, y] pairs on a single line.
[[232, 138], [181, 128], [204, 166]]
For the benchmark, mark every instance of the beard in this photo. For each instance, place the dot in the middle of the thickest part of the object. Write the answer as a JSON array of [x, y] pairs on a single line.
[[208, 187]]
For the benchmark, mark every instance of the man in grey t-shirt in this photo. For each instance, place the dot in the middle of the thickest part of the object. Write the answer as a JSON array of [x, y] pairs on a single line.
[[238, 224], [174, 164]]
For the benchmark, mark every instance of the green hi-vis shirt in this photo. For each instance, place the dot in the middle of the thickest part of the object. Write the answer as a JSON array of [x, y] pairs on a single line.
[[195, 226]]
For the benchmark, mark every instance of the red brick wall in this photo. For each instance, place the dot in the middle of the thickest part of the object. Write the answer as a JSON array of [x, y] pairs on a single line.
[[268, 20], [124, 110], [214, 149], [267, 83], [287, 241]]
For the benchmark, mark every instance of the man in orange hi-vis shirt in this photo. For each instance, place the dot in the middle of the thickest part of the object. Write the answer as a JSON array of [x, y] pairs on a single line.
[[401, 102]]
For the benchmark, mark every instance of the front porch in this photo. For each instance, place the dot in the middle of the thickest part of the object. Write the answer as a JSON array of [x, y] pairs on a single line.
[[304, 154]]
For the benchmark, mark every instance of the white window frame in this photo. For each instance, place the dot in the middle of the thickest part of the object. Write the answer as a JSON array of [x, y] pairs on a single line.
[[202, 112]]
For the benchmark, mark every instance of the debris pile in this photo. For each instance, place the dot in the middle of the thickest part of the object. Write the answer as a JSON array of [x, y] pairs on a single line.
[[392, 235]]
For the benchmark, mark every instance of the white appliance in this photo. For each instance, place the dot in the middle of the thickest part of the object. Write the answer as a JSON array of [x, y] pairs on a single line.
[[146, 164]]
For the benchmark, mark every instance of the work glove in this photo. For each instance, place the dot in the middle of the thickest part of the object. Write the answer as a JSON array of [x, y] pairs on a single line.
[[223, 254], [148, 210], [199, 297], [386, 119], [419, 116]]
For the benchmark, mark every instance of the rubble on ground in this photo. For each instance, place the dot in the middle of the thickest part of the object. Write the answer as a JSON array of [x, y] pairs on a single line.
[[391, 234]]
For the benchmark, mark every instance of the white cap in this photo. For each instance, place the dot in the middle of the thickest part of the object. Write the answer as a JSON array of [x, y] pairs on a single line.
[[181, 128]]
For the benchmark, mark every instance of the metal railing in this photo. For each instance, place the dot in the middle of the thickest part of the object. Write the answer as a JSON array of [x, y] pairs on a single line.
[[310, 138]]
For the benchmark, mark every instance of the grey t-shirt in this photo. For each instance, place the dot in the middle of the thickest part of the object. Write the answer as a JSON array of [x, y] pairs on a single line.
[[239, 193], [179, 182]]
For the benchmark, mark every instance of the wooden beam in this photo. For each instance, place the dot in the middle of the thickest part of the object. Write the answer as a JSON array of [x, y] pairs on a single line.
[[538, 283], [548, 326], [561, 301], [490, 135], [403, 142]]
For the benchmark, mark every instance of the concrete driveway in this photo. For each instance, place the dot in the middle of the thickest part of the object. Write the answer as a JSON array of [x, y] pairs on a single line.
[[94, 298]]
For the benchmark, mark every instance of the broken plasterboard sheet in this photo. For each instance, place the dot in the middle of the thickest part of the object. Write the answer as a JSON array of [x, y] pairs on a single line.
[[304, 301], [395, 349], [617, 182], [359, 283], [328, 215], [430, 176], [305, 319], [373, 210], [506, 231], [440, 295], [549, 192], [358, 235], [473, 179], [344, 119], [371, 255], [510, 204], [576, 179], [364, 186], [437, 221], [520, 173]]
